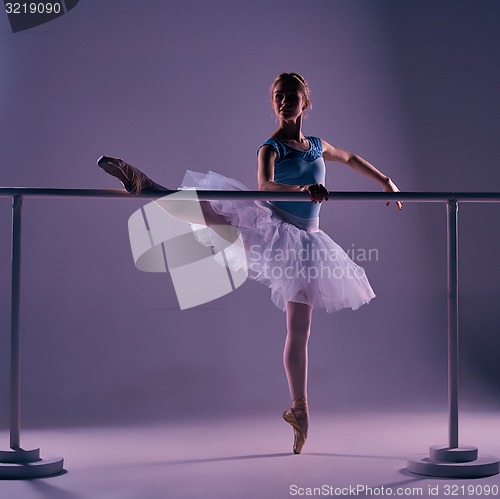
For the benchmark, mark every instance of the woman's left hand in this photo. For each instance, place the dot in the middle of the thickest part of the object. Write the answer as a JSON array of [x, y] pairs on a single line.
[[392, 187]]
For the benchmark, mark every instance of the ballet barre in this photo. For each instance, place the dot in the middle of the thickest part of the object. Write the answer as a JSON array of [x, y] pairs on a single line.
[[452, 460]]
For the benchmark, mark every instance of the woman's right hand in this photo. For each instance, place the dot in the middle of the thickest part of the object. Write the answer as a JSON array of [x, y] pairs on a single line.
[[318, 192], [391, 187]]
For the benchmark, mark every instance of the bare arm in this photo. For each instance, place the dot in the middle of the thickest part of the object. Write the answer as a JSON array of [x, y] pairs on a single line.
[[331, 153], [265, 173], [265, 178]]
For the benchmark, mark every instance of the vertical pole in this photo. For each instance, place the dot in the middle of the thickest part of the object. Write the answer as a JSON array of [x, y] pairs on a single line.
[[15, 365], [452, 211], [18, 462]]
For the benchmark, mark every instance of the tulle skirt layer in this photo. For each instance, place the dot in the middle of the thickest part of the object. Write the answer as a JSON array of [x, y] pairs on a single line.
[[304, 266]]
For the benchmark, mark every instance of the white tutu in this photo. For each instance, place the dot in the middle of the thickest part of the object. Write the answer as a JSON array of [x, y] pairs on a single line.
[[297, 265]]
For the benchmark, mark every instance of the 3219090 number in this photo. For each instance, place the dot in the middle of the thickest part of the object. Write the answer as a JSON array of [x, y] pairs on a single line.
[[33, 8], [471, 490]]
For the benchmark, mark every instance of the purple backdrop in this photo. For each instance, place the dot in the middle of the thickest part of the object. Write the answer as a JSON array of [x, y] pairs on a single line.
[[170, 86]]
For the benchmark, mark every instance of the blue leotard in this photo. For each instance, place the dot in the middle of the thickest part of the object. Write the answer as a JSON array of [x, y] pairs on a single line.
[[295, 167]]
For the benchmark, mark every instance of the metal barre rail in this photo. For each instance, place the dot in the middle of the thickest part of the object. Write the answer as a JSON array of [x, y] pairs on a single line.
[[450, 461], [420, 197]]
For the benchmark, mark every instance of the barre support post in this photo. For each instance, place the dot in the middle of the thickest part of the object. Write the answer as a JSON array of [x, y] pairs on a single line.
[[452, 219], [15, 352], [18, 462], [452, 460]]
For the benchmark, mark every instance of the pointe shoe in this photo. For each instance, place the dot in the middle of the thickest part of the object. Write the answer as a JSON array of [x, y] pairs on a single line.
[[299, 436], [132, 179]]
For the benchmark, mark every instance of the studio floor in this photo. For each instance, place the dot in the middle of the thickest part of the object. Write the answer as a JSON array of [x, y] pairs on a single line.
[[365, 454]]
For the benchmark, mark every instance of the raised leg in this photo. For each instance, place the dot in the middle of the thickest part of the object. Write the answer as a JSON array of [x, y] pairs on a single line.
[[135, 181]]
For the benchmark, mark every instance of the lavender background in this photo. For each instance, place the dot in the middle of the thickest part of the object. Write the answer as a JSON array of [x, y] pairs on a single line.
[[170, 86]]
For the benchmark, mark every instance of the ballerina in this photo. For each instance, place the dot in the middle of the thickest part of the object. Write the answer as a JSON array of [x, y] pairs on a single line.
[[286, 250]]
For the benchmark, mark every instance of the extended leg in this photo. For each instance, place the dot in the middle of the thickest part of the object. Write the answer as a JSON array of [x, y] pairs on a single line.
[[135, 181]]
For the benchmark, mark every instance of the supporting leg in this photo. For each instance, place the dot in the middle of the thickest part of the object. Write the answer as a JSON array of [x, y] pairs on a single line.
[[295, 360], [295, 355]]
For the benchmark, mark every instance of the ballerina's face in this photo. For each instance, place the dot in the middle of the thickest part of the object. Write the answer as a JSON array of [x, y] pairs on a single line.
[[288, 101]]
